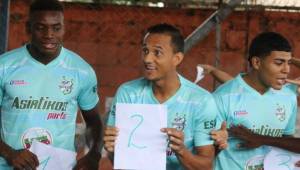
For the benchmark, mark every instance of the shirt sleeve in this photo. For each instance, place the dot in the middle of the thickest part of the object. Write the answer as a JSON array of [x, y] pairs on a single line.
[[88, 97], [205, 121], [290, 128], [1, 83], [121, 97], [222, 114]]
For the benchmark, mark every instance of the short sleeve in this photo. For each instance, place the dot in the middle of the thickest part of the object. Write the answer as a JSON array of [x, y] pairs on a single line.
[[1, 83], [205, 122], [121, 97], [88, 96], [290, 128]]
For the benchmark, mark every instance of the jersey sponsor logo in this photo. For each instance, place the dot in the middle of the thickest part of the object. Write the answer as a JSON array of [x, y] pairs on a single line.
[[255, 163], [267, 131], [38, 134], [66, 85], [56, 116], [280, 112], [210, 124], [18, 82], [42, 103], [240, 113]]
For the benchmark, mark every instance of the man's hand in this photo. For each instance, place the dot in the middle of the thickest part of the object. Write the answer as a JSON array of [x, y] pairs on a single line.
[[296, 82], [176, 140], [220, 136], [207, 68], [297, 164], [250, 139], [22, 159], [110, 136], [88, 162]]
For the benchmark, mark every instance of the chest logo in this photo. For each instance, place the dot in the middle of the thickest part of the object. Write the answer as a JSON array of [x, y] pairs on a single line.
[[280, 112], [39, 134], [179, 122], [66, 85]]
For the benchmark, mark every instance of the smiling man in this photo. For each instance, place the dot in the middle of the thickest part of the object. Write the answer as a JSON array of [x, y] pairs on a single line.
[[259, 101], [191, 109], [42, 85]]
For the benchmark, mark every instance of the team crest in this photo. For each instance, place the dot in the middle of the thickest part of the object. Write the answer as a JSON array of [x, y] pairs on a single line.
[[280, 112], [255, 163], [179, 122], [38, 134], [66, 85]]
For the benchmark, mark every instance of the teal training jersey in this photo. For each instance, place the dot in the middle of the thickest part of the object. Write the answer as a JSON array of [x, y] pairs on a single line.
[[270, 114], [40, 102], [191, 109]]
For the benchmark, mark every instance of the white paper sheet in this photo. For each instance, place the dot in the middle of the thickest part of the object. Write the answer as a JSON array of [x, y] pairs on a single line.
[[200, 74], [278, 159], [140, 143], [51, 158]]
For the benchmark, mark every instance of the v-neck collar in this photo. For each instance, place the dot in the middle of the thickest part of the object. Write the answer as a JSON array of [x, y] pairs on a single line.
[[170, 99], [52, 63], [251, 89]]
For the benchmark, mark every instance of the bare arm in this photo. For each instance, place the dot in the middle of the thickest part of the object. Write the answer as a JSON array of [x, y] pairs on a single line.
[[219, 75], [18, 159], [202, 160], [295, 61], [94, 127], [251, 140]]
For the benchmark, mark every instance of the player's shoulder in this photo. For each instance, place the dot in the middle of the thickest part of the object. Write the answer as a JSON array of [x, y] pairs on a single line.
[[231, 87], [75, 59], [135, 85], [193, 91], [13, 56]]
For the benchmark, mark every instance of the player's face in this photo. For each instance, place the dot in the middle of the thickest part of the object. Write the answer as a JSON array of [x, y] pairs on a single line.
[[158, 57], [274, 69], [46, 29]]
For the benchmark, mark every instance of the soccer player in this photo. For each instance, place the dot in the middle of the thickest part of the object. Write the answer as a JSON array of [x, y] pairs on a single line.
[[257, 101], [191, 109], [42, 84]]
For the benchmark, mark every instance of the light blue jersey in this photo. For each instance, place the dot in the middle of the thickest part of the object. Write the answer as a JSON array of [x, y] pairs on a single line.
[[270, 114], [40, 102], [191, 109]]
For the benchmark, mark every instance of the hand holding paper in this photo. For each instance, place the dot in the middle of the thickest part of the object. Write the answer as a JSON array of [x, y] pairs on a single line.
[[140, 141], [281, 160], [53, 158], [200, 74]]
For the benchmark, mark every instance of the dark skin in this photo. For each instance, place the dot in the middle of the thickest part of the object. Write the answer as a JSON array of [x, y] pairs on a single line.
[[93, 122], [46, 30], [252, 140], [18, 159]]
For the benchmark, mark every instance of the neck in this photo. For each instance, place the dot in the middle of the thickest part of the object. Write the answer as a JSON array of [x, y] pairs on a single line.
[[166, 88], [39, 56], [252, 80]]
